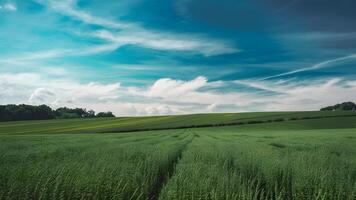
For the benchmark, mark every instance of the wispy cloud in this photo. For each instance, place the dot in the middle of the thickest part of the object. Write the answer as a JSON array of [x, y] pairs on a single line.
[[123, 33], [303, 95], [67, 7], [8, 7], [320, 65], [164, 41], [260, 85], [43, 55]]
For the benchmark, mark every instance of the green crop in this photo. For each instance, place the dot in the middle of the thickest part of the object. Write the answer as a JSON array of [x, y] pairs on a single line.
[[303, 158]]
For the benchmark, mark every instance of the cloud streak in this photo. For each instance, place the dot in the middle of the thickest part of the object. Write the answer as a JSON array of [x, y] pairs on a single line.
[[320, 65], [67, 7], [11, 7], [25, 58], [163, 41], [120, 33]]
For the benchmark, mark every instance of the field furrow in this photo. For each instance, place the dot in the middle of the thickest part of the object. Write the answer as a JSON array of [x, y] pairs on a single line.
[[168, 171]]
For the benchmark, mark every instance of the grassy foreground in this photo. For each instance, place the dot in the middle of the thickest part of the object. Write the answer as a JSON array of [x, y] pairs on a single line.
[[296, 159], [225, 164]]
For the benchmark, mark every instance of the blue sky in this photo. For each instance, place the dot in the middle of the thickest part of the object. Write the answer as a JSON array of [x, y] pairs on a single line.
[[153, 57]]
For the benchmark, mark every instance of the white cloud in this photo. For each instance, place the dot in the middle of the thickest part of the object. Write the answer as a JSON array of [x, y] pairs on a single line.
[[8, 7], [165, 96], [157, 110], [34, 88], [196, 91], [55, 71], [212, 107], [19, 79], [167, 87], [42, 95], [170, 96]]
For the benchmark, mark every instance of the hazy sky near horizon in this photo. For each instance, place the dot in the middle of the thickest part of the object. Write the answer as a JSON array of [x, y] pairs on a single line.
[[156, 57]]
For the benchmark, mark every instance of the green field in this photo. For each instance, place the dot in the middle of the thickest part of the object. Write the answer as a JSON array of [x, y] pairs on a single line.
[[279, 155], [125, 124]]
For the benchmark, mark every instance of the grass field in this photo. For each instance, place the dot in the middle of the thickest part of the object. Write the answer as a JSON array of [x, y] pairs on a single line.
[[294, 155], [125, 124]]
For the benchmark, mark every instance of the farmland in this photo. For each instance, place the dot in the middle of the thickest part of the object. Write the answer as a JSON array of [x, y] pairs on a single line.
[[126, 124], [278, 155]]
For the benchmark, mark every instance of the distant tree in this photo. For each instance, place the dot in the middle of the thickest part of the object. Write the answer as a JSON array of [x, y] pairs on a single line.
[[68, 116], [13, 112], [25, 112], [43, 112], [346, 106], [66, 113], [90, 114], [105, 114]]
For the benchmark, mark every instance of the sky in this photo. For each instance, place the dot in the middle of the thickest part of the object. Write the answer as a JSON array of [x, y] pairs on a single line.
[[161, 57]]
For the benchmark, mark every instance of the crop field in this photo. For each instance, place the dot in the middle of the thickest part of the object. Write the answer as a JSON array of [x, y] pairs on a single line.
[[126, 124], [294, 155]]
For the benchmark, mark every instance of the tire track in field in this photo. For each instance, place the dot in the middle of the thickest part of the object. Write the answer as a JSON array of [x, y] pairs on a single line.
[[166, 173]]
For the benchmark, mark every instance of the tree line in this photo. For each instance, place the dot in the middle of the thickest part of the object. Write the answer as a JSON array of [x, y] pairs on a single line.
[[13, 112], [346, 106]]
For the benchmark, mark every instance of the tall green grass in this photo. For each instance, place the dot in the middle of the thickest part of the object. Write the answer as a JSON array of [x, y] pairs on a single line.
[[235, 164], [297, 159], [87, 167]]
